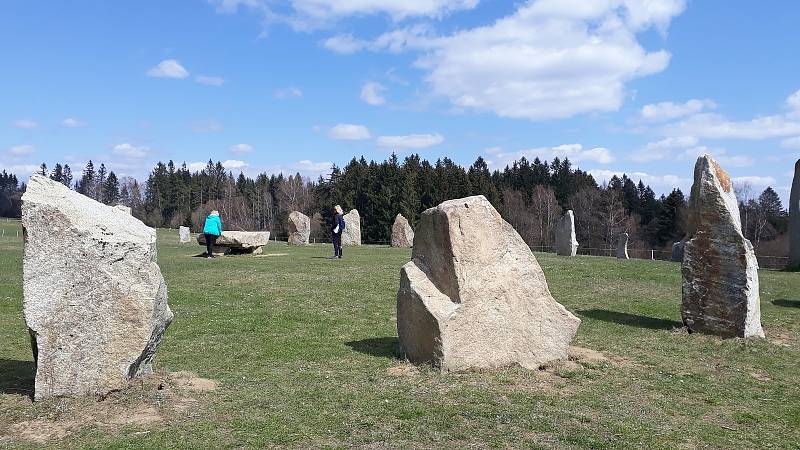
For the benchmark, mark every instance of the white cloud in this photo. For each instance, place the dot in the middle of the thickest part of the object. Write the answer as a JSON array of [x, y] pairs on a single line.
[[660, 182], [206, 126], [665, 111], [716, 126], [232, 164], [371, 93], [209, 80], [792, 143], [21, 170], [411, 141], [196, 166], [71, 122], [290, 92], [344, 44], [311, 14], [654, 151], [130, 151], [575, 152], [241, 148], [21, 150], [25, 124], [169, 68], [756, 180], [349, 132], [306, 168]]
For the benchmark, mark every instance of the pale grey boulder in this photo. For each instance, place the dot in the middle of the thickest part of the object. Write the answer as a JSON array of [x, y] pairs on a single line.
[[622, 246], [720, 270], [184, 235], [566, 242], [474, 296], [299, 228], [402, 233], [794, 220], [238, 242], [125, 209], [677, 251], [94, 299], [352, 228]]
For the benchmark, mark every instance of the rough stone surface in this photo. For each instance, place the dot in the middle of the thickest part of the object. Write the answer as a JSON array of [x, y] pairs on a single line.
[[794, 220], [622, 246], [123, 208], [299, 228], [677, 251], [94, 299], [720, 270], [402, 233], [352, 228], [239, 242], [566, 243], [474, 296], [184, 235]]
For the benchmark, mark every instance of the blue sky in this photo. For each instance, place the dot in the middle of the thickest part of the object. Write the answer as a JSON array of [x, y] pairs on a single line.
[[635, 86]]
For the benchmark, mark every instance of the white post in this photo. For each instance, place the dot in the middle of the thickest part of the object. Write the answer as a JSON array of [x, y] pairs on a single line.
[[652, 255]]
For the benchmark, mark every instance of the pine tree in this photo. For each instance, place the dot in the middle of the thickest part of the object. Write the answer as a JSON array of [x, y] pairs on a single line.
[[57, 174], [66, 176], [99, 182], [86, 185], [42, 170], [111, 193]]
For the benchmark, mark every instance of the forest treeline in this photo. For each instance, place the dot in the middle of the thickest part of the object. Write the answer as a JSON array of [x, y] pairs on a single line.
[[531, 195]]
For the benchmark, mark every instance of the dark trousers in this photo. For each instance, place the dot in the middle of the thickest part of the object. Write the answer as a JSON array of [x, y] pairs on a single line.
[[337, 244], [210, 241]]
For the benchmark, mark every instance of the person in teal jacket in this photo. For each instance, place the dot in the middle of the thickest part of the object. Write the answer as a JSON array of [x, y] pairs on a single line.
[[212, 229]]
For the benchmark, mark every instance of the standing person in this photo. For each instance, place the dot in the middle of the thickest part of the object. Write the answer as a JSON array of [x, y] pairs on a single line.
[[212, 229], [337, 232]]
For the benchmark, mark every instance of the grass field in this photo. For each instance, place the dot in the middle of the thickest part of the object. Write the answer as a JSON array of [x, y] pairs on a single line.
[[304, 353]]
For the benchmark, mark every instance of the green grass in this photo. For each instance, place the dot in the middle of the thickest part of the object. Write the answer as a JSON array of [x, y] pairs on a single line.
[[301, 346]]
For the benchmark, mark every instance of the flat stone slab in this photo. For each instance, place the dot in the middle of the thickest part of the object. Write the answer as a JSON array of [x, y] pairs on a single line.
[[239, 242]]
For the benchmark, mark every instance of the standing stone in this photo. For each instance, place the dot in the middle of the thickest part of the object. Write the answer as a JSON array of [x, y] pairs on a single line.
[[352, 228], [184, 235], [299, 228], [474, 296], [677, 251], [566, 243], [720, 270], [402, 233], [94, 299], [622, 246], [794, 220]]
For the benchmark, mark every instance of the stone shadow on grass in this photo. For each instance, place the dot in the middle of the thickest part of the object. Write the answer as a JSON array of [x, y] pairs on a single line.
[[786, 303], [382, 347], [632, 320], [17, 377]]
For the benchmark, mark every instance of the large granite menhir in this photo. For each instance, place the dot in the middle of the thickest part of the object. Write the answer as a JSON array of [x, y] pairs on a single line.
[[238, 242], [474, 296], [720, 270], [352, 228], [299, 228], [622, 246], [677, 251], [566, 243], [402, 233], [94, 299], [794, 220]]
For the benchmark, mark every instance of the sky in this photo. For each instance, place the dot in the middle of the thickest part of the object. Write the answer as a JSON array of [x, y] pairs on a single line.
[[618, 86]]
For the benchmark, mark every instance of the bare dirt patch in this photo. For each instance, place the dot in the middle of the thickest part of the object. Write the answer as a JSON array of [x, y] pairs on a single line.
[[144, 404], [267, 255], [403, 370]]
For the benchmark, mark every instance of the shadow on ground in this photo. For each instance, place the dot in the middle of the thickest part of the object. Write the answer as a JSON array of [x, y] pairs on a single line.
[[17, 377], [786, 303], [382, 347], [632, 320]]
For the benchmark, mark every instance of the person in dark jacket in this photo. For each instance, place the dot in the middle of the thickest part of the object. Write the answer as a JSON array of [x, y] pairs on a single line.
[[212, 229], [338, 229]]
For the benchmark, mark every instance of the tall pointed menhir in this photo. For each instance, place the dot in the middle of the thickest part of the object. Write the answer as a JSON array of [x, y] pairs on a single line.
[[794, 220], [720, 270]]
